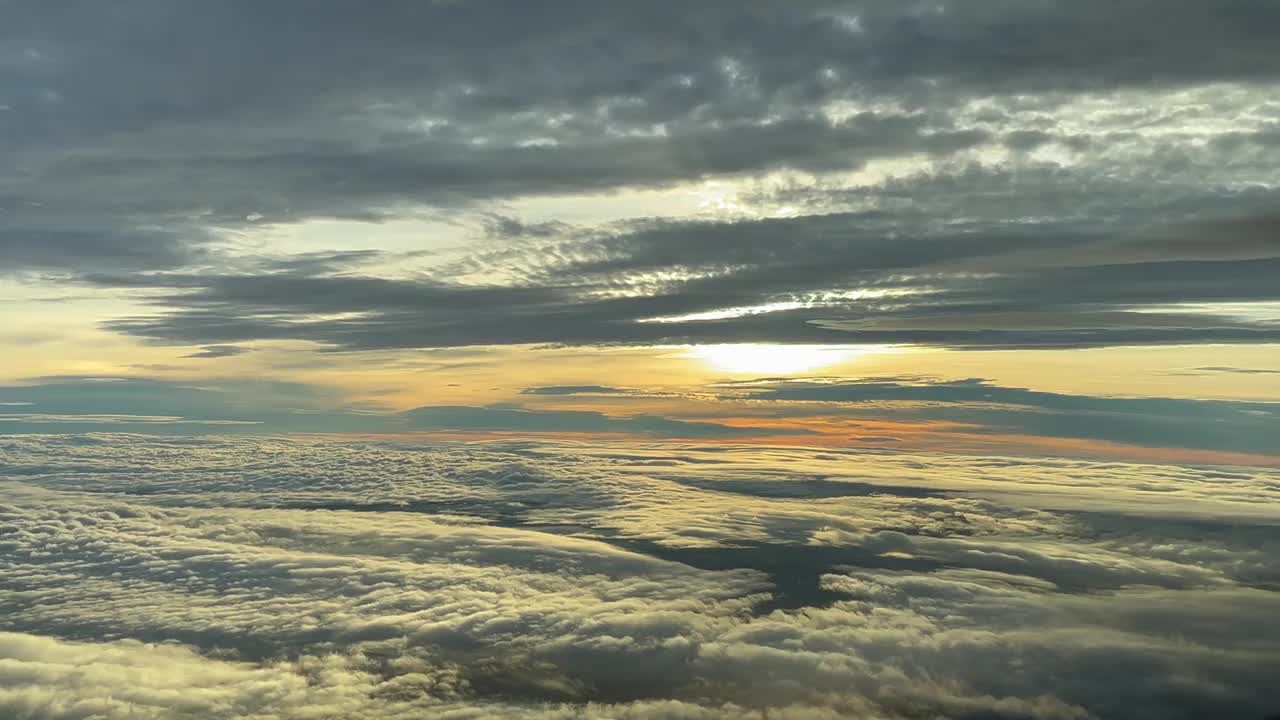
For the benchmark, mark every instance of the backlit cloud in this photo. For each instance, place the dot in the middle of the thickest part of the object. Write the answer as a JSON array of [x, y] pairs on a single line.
[[382, 580], [663, 360]]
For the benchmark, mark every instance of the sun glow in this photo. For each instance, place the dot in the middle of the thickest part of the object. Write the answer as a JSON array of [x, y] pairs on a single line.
[[766, 359]]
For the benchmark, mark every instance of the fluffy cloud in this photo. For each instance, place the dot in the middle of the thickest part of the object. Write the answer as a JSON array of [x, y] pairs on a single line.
[[380, 580]]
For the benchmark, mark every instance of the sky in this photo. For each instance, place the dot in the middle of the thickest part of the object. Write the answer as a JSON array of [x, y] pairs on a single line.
[[807, 359]]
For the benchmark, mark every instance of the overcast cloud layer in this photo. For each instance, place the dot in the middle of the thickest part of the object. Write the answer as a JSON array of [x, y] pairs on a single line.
[[963, 174], [272, 579]]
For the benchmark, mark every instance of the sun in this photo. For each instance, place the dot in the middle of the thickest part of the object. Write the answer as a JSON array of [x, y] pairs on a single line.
[[767, 359]]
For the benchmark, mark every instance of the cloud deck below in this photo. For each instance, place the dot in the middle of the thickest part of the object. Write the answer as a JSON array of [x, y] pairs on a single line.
[[269, 578]]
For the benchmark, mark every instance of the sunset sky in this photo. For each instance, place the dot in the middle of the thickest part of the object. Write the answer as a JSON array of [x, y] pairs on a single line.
[[311, 220], [1014, 254]]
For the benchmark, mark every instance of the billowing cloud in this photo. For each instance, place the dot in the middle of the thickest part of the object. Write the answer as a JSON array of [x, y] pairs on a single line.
[[383, 580]]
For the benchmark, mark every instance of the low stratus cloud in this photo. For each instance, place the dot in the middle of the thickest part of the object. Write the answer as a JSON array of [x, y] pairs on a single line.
[[1228, 426], [619, 580], [81, 404], [972, 407], [517, 419]]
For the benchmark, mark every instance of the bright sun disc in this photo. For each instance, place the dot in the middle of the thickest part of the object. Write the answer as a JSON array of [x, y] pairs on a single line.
[[763, 359]]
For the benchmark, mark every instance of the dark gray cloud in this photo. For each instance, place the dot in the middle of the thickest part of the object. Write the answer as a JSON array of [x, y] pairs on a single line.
[[210, 352], [94, 404], [54, 247], [567, 55], [1236, 370], [195, 116], [1052, 166], [977, 405], [517, 419], [74, 405], [864, 277], [1248, 427], [573, 390]]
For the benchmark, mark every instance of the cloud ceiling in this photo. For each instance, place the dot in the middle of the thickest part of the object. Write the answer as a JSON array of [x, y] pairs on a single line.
[[1011, 174]]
